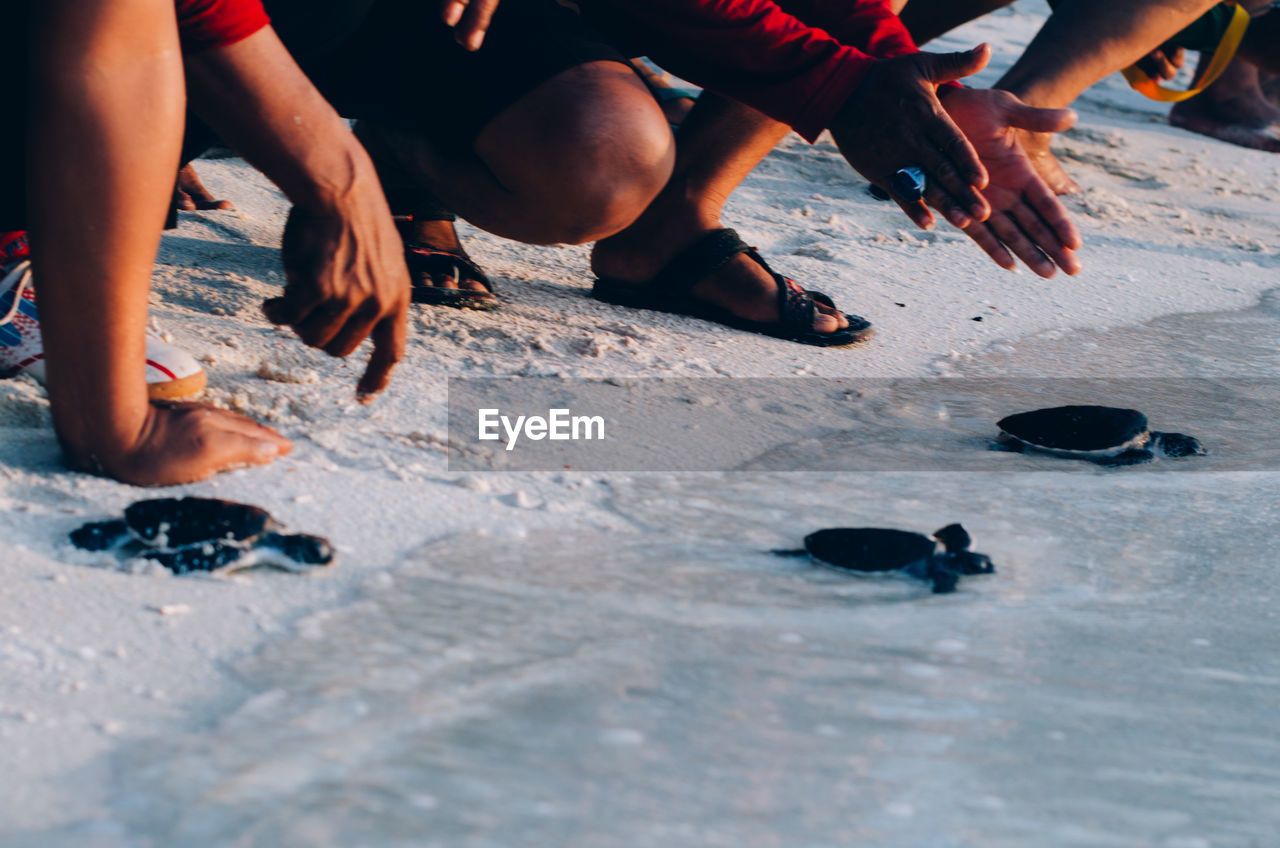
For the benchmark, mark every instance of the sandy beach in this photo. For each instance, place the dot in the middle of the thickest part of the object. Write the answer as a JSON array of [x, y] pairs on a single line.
[[596, 659]]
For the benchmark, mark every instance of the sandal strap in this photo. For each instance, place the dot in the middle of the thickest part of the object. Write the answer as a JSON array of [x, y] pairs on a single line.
[[795, 306], [428, 260], [698, 261]]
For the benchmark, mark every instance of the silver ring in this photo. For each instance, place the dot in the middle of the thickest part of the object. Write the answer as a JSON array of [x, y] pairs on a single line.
[[909, 183]]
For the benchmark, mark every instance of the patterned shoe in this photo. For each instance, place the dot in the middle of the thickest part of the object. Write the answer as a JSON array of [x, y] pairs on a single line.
[[172, 373]]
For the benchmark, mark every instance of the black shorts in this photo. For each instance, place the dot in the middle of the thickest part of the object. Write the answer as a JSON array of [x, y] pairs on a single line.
[[402, 67]]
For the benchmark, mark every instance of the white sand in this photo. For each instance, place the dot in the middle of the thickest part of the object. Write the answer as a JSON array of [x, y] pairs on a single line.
[[92, 659]]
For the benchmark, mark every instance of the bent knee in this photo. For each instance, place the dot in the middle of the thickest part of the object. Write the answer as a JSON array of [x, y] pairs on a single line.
[[586, 152]]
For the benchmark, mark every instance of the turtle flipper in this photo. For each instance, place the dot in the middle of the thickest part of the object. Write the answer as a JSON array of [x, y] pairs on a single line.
[[203, 556], [100, 535], [968, 563], [1007, 444], [943, 574], [298, 550], [1133, 456], [1178, 444]]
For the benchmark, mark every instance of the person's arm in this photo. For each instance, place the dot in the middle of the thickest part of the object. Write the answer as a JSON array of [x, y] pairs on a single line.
[[343, 257], [869, 25], [107, 95], [885, 115], [1082, 42]]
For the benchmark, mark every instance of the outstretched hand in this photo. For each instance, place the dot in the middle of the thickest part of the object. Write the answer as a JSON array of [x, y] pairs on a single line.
[[469, 19], [894, 120], [346, 280], [1027, 219], [185, 442]]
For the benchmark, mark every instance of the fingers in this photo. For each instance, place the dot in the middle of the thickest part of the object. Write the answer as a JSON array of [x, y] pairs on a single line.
[[949, 208], [916, 211], [291, 308], [388, 349], [983, 236], [945, 67], [1041, 198], [452, 11], [474, 22], [1007, 229], [1034, 119], [1045, 240], [953, 165], [356, 329], [250, 429]]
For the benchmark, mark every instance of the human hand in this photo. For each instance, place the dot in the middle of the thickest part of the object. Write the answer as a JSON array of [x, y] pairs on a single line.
[[182, 443], [1026, 217], [346, 279], [1036, 146], [469, 20], [1163, 63], [894, 120]]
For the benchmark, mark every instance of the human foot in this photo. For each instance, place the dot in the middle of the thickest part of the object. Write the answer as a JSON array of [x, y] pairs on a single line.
[[441, 271], [191, 195], [742, 286], [1248, 119], [683, 284], [171, 372]]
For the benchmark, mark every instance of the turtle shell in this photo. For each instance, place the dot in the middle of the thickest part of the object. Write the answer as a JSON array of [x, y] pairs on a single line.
[[177, 522], [869, 548], [1078, 429]]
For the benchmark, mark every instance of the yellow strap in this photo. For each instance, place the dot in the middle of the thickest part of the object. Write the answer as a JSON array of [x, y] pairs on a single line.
[[1222, 57]]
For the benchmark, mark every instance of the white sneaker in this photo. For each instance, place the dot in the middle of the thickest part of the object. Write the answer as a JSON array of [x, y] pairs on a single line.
[[171, 373]]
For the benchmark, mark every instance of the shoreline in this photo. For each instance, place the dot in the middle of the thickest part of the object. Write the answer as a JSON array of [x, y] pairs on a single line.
[[1174, 224]]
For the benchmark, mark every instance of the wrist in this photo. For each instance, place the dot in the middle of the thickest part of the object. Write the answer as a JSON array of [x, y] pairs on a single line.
[[326, 180]]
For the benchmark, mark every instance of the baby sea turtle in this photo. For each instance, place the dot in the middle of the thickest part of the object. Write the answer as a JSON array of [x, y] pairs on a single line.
[[1103, 434], [941, 559], [203, 534]]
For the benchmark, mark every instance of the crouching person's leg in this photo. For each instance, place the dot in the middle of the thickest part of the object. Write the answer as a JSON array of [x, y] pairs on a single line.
[[544, 136]]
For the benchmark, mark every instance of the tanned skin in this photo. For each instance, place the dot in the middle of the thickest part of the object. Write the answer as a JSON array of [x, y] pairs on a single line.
[[108, 78]]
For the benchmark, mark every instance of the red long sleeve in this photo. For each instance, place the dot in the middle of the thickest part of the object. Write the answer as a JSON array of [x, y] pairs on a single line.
[[749, 50], [869, 25], [203, 24]]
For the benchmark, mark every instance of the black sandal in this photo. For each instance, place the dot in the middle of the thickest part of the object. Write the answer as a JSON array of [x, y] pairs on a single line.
[[671, 291], [431, 262]]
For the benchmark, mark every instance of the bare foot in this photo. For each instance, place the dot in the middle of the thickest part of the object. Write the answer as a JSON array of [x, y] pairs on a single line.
[[1249, 119], [191, 194], [1046, 164], [641, 251]]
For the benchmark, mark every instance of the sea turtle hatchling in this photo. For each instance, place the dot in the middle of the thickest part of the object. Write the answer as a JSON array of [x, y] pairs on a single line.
[[941, 559], [203, 534], [1106, 435]]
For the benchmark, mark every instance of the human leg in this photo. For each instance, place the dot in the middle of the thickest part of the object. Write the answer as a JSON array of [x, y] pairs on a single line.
[[547, 136], [720, 143], [1235, 108]]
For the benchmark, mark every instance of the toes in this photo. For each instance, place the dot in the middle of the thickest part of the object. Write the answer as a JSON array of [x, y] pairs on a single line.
[[830, 312], [824, 323]]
